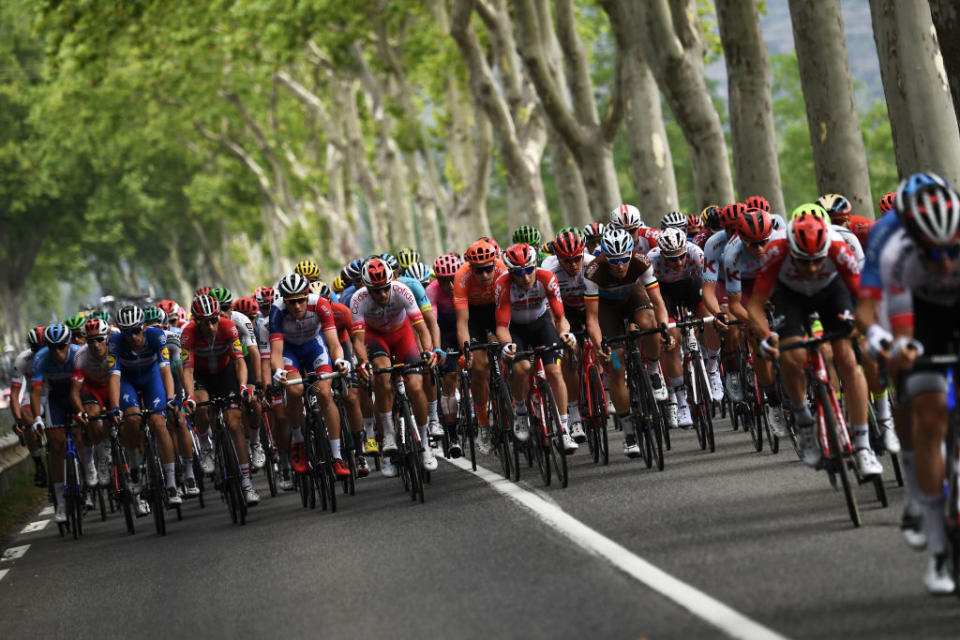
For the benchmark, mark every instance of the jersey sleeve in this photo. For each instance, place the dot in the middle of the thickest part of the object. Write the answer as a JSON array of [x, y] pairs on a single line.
[[847, 266], [460, 293], [114, 354], [163, 353], [186, 346], [357, 304], [770, 270], [409, 302], [419, 294], [501, 298], [713, 257], [77, 375], [552, 288], [871, 283], [233, 337], [325, 313], [39, 363], [276, 322], [731, 271]]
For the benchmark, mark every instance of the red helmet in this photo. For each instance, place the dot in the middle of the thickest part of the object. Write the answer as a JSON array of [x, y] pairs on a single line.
[[35, 337], [96, 328], [730, 214], [481, 251], [247, 306], [694, 225], [755, 225], [204, 306], [520, 256], [809, 236], [569, 244], [887, 201], [202, 291], [376, 274], [446, 266], [757, 202], [264, 296], [169, 307]]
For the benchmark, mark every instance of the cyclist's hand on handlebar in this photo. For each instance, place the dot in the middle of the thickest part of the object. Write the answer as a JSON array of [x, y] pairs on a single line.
[[429, 358], [81, 417], [768, 347], [190, 404], [847, 318], [342, 366], [720, 320], [878, 341], [569, 339], [441, 355], [905, 351], [605, 352], [38, 424], [246, 394], [172, 404], [509, 351], [279, 376], [366, 371]]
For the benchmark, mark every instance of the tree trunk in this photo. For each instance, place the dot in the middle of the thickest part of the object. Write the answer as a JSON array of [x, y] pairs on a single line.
[[425, 209], [469, 218], [922, 118], [751, 105], [674, 49], [838, 152], [946, 17], [650, 157]]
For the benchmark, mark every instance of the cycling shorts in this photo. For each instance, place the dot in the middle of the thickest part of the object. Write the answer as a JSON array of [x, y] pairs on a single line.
[[309, 356], [222, 384], [482, 322], [682, 293], [448, 341], [399, 346], [793, 309], [150, 388], [93, 394], [538, 333], [937, 328], [577, 319], [612, 313]]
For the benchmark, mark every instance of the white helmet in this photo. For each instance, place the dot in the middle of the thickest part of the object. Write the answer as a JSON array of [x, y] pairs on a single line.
[[293, 285], [672, 241], [616, 242], [130, 317], [626, 216]]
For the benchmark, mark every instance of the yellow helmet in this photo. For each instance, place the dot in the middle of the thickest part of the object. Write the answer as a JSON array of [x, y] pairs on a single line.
[[308, 269], [337, 284]]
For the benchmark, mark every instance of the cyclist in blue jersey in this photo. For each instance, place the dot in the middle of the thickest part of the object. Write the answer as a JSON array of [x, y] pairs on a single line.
[[141, 377], [52, 373]]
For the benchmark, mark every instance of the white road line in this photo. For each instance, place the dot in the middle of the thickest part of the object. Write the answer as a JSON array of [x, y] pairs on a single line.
[[35, 526], [47, 511], [701, 605], [3, 572], [14, 553]]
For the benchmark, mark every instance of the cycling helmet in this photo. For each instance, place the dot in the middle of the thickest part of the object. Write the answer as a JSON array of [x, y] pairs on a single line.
[[674, 219], [264, 296], [202, 291], [293, 286], [836, 206], [808, 236], [377, 274], [616, 242], [56, 334], [308, 269], [407, 256], [711, 217], [929, 209], [593, 231], [694, 225], [887, 201], [419, 271], [154, 315], [446, 266], [246, 306], [169, 307], [74, 323], [204, 307], [626, 216], [527, 234], [519, 256], [496, 245], [480, 252], [337, 284], [390, 260], [223, 295], [35, 338], [572, 229], [569, 244], [672, 241], [755, 225], [546, 249], [352, 271], [130, 317], [96, 328], [811, 208], [730, 214], [757, 202]]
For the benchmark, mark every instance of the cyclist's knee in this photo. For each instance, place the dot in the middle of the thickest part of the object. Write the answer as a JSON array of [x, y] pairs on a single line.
[[929, 412]]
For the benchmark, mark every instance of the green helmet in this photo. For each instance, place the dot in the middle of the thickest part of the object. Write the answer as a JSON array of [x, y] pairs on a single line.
[[154, 315], [74, 323], [811, 208], [222, 295], [407, 257], [575, 230], [527, 234]]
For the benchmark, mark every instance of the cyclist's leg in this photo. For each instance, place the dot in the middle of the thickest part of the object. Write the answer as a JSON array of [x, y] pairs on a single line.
[[33, 445]]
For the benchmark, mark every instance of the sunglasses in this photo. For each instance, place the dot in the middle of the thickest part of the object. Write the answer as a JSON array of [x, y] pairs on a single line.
[[620, 260], [525, 271], [132, 332], [295, 300], [678, 258], [59, 347], [97, 339], [935, 254], [573, 260], [380, 289], [756, 244], [486, 269], [808, 262]]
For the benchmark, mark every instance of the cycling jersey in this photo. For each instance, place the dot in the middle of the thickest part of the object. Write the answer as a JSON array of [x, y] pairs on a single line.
[[646, 240], [173, 345], [23, 367], [342, 320], [852, 241], [55, 378], [347, 294], [442, 304], [384, 319], [135, 364], [317, 319], [880, 234], [244, 330], [692, 267], [419, 293], [571, 286], [90, 371], [599, 283], [739, 265], [701, 238], [211, 356], [713, 256], [860, 227], [779, 266], [516, 305], [262, 330], [467, 290]]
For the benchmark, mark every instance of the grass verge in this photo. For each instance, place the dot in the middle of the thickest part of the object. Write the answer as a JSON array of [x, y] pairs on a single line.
[[19, 502]]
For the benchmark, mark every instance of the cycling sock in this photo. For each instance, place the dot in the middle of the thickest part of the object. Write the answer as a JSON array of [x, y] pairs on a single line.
[[335, 447], [933, 522], [712, 359], [573, 410], [188, 467], [386, 421], [432, 411], [370, 427], [521, 409], [255, 435], [653, 366], [88, 457], [170, 474], [861, 436], [907, 459], [245, 475], [296, 435], [772, 395], [881, 404], [285, 460], [58, 490], [564, 422], [802, 414]]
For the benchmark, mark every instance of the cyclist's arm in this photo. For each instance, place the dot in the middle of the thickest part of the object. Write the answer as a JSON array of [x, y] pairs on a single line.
[[359, 345], [15, 400], [709, 295], [167, 378], [503, 334], [737, 309], [114, 390], [188, 384], [75, 385], [333, 344], [659, 308], [463, 326], [276, 353], [240, 367], [36, 398], [420, 328], [755, 313], [430, 317], [254, 352]]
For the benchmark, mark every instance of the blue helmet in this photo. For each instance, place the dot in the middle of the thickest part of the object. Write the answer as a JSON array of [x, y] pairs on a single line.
[[56, 334]]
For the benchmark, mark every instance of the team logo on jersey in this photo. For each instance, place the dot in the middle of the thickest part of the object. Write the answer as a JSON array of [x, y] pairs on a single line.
[[236, 345], [165, 353], [184, 356], [111, 361]]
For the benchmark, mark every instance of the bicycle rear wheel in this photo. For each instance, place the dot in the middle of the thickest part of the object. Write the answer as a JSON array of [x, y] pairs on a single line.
[[121, 484], [654, 420], [598, 413], [704, 402], [837, 459], [538, 443], [72, 498], [467, 424], [558, 453], [502, 425], [326, 467], [412, 452], [155, 488]]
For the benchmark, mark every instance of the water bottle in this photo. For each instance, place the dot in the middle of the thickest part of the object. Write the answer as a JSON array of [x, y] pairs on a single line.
[[615, 360], [951, 390]]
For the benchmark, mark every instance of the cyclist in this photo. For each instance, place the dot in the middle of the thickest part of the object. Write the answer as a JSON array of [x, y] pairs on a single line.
[[676, 219], [141, 370], [627, 217], [620, 286], [75, 325], [813, 270], [714, 289], [407, 256], [473, 300], [265, 297], [591, 235], [385, 317], [694, 226], [20, 407], [710, 224], [440, 292], [567, 264], [530, 313], [303, 337], [528, 234], [308, 269], [919, 268], [214, 367], [840, 211], [50, 377], [678, 267], [89, 394]]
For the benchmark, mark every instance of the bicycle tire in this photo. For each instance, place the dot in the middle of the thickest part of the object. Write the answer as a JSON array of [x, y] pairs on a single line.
[[703, 403], [121, 485], [155, 490], [414, 458], [558, 453], [537, 448], [838, 461], [655, 422], [326, 465], [502, 424], [266, 434], [466, 423], [953, 493], [599, 413], [101, 502], [690, 379], [71, 497], [233, 481]]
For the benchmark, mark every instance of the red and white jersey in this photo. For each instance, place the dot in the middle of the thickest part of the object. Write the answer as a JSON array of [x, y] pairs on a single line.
[[852, 241], [571, 286], [213, 356], [646, 240], [778, 266], [87, 369], [692, 267], [516, 305], [317, 319], [367, 314]]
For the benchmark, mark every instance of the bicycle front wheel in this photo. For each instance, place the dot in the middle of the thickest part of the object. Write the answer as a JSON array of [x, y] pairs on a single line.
[[837, 460], [598, 413], [558, 453]]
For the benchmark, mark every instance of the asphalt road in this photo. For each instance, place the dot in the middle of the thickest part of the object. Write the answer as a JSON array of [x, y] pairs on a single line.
[[759, 533]]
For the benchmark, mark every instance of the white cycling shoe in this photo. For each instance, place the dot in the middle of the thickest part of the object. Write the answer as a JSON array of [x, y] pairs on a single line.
[[867, 463], [521, 427], [684, 418], [250, 496], [257, 455], [577, 433], [429, 460], [387, 468], [435, 428], [716, 385], [92, 478], [890, 440], [659, 387], [60, 516], [389, 443], [937, 578], [568, 444], [777, 423]]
